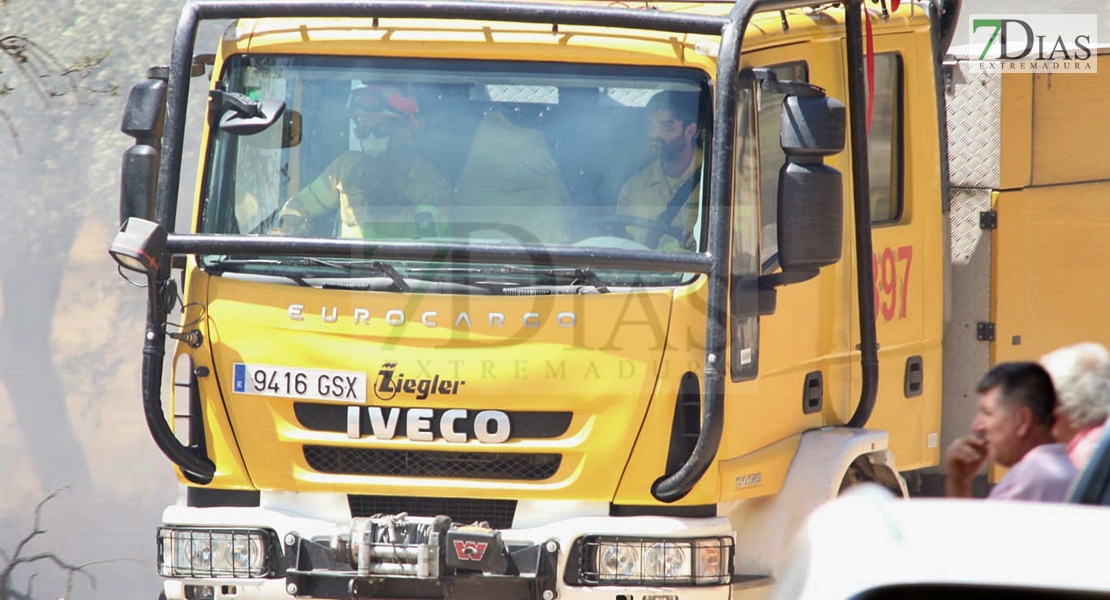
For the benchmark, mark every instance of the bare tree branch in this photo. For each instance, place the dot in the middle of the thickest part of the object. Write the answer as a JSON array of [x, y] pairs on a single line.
[[17, 559], [35, 532], [36, 64], [48, 77]]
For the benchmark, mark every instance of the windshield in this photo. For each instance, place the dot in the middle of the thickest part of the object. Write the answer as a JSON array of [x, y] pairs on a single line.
[[463, 151]]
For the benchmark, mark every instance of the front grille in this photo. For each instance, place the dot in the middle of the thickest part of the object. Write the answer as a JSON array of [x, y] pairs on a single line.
[[464, 511], [523, 424], [422, 463]]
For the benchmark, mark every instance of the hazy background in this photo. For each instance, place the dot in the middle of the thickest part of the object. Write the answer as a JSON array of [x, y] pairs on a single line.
[[70, 328]]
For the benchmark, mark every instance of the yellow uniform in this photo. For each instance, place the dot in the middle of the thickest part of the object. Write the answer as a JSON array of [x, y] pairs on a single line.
[[511, 184], [376, 197], [647, 194]]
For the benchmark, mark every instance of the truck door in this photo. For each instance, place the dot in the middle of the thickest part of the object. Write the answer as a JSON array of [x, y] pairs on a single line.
[[789, 368], [808, 356], [907, 244]]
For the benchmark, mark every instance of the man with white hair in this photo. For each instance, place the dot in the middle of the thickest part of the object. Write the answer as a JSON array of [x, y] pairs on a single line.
[[1081, 375]]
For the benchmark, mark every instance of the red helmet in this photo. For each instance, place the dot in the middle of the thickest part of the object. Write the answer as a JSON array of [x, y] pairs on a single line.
[[374, 99]]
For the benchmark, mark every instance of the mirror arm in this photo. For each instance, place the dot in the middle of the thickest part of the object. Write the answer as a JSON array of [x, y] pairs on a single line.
[[241, 104], [769, 82], [774, 280]]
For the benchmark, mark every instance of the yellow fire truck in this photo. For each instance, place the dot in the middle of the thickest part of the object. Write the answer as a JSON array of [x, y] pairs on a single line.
[[446, 324]]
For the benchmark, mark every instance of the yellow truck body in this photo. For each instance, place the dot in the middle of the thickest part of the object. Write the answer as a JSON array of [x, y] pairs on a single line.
[[550, 412]]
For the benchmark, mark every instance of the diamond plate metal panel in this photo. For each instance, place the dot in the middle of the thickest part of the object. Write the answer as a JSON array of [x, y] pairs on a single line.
[[964, 220], [530, 94], [974, 126]]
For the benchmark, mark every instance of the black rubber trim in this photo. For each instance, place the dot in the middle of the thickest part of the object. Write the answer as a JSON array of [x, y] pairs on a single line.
[[697, 511], [208, 498]]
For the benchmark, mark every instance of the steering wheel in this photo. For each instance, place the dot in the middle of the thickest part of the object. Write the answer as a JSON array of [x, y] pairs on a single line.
[[618, 224]]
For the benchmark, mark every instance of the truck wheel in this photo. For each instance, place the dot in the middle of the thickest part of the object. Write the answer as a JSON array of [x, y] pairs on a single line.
[[861, 471]]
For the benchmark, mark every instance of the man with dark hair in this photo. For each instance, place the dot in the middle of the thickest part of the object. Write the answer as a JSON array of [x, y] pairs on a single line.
[[663, 197], [1013, 427]]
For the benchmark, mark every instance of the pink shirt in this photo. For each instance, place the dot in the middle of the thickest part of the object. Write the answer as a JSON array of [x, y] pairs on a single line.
[[1044, 474], [1083, 445]]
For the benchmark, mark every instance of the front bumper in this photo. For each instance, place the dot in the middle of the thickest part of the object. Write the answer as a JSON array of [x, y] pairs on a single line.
[[526, 572], [463, 563]]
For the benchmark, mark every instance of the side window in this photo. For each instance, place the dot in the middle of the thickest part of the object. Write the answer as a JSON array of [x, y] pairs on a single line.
[[771, 159], [884, 141], [755, 240], [743, 314]]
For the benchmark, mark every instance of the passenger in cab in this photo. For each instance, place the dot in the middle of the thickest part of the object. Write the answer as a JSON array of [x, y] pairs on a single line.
[[386, 190], [510, 188], [662, 199]]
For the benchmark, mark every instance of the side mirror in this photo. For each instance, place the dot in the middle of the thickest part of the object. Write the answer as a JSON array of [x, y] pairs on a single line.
[[811, 193], [240, 115], [143, 120]]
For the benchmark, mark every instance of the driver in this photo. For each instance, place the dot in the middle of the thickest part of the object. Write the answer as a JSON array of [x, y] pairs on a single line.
[[657, 194], [387, 189]]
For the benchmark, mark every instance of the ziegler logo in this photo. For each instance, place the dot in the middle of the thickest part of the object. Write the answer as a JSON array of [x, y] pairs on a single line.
[[467, 550], [389, 383]]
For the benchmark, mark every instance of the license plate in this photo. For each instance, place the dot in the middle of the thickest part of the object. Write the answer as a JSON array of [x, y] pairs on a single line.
[[292, 382]]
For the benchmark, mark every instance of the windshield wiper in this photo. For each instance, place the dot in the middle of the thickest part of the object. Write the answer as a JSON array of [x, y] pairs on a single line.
[[258, 266], [374, 266], [576, 274], [590, 277], [279, 267]]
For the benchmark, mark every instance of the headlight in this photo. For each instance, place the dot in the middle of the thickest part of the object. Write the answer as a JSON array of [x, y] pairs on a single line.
[[197, 552], [667, 560], [652, 561], [714, 562], [617, 561]]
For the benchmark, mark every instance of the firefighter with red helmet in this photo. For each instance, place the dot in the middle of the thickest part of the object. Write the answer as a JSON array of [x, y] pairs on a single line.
[[385, 190]]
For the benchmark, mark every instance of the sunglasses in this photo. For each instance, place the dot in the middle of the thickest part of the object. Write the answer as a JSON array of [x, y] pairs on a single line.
[[379, 129]]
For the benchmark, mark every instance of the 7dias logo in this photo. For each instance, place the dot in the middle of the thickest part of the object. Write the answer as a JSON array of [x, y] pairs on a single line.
[[390, 383], [1054, 43]]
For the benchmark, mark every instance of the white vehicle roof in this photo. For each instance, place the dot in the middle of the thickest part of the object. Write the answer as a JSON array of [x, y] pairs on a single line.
[[867, 539]]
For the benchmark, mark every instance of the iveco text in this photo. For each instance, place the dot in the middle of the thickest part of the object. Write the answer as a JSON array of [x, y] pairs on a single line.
[[427, 424]]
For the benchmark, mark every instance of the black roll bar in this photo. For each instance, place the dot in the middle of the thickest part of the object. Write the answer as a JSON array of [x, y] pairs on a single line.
[[185, 38], [520, 254], [193, 462], [861, 187]]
